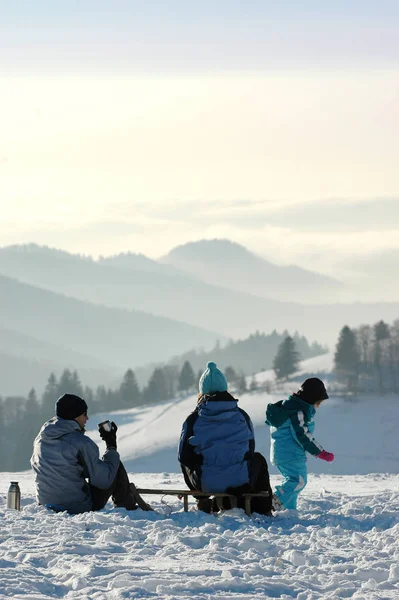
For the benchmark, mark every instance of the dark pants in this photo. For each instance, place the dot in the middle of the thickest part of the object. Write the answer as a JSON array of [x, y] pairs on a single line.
[[259, 482], [119, 490]]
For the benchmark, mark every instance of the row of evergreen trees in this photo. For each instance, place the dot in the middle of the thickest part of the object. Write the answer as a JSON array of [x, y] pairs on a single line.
[[19, 414], [367, 358], [21, 418], [252, 354]]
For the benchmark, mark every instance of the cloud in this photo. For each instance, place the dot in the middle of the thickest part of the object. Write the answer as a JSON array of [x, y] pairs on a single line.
[[288, 232], [380, 214], [324, 215]]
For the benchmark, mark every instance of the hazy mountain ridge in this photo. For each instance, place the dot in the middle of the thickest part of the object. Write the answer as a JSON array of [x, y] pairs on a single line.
[[16, 343], [113, 337], [176, 296], [228, 264], [209, 261], [133, 261], [27, 361], [18, 374]]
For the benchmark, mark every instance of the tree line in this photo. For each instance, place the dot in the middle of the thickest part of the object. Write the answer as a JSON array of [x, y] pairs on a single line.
[[250, 355], [367, 358], [21, 417]]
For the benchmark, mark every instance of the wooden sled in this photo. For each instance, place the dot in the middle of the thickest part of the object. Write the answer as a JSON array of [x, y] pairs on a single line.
[[219, 497]]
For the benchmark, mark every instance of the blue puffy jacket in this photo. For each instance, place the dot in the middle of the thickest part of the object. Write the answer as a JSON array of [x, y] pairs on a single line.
[[291, 427], [217, 444], [63, 457]]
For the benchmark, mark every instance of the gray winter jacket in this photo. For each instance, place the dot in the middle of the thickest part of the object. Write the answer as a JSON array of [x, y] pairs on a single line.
[[63, 457]]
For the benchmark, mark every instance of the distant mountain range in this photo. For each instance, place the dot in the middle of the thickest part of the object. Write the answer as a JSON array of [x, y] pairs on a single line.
[[129, 310], [218, 263], [20, 372], [42, 331], [225, 263]]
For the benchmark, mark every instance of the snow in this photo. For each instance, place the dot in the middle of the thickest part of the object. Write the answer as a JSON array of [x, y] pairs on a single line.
[[343, 542]]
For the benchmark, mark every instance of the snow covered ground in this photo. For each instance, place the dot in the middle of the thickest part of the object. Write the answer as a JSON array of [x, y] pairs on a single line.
[[343, 542]]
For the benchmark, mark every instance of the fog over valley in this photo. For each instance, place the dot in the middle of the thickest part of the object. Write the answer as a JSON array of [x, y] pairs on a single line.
[[102, 316]]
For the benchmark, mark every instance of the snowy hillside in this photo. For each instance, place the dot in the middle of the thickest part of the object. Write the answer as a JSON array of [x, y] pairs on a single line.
[[362, 433], [343, 542]]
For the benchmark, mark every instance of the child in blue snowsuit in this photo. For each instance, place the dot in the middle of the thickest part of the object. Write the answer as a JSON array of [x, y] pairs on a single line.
[[291, 427]]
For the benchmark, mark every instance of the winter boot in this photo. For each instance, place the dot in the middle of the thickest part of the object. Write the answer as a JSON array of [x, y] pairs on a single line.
[[205, 504], [276, 503]]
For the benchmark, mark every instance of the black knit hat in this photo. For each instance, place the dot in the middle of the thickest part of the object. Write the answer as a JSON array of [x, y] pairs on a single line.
[[312, 390], [70, 406]]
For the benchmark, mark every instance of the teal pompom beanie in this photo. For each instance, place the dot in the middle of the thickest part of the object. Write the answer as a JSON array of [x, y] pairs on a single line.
[[212, 380]]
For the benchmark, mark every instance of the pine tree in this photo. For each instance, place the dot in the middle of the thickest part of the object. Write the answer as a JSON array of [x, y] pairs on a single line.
[[286, 361], [241, 384], [15, 418], [364, 344], [253, 386], [381, 331], [88, 395], [129, 391], [171, 373], [67, 383], [230, 374], [32, 403], [29, 426], [347, 358], [381, 335], [200, 371], [156, 389], [186, 377], [101, 399], [76, 385], [49, 398]]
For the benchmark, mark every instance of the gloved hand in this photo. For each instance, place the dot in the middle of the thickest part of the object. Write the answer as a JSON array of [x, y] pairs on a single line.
[[328, 456], [109, 437]]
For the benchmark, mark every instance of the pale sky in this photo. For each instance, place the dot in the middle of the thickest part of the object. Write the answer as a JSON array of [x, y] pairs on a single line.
[[140, 126]]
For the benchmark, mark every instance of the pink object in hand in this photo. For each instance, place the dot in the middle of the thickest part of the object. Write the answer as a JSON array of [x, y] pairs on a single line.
[[328, 456]]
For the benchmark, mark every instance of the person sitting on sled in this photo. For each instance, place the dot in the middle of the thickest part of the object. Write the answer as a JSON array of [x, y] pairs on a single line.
[[64, 458], [217, 446], [292, 424]]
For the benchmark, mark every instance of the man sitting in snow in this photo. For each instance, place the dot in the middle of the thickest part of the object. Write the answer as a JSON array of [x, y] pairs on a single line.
[[63, 458]]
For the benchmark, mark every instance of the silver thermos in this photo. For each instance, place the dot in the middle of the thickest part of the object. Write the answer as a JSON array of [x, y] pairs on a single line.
[[14, 496]]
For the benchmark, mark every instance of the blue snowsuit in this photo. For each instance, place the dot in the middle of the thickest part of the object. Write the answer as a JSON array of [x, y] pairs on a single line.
[[291, 427]]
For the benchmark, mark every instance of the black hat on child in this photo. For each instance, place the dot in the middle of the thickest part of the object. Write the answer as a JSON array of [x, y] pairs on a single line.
[[312, 390], [70, 406]]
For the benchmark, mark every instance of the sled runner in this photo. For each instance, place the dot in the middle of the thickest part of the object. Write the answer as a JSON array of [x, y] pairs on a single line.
[[140, 501]]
